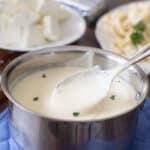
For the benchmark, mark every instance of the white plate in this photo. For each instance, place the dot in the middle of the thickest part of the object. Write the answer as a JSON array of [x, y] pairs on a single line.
[[104, 40], [72, 29]]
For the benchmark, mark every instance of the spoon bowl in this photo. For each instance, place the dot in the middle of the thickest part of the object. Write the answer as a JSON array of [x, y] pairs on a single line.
[[88, 81]]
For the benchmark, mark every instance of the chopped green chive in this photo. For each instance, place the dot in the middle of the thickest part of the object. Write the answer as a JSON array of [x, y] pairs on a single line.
[[76, 114], [44, 75], [136, 37], [35, 98], [113, 97], [140, 26]]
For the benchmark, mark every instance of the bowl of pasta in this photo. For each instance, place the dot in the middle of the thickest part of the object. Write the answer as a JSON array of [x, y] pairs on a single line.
[[125, 30]]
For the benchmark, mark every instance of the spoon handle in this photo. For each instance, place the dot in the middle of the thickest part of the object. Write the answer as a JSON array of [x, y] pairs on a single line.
[[143, 53]]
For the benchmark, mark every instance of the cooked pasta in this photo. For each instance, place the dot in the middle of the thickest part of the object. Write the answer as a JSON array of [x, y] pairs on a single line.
[[119, 26]]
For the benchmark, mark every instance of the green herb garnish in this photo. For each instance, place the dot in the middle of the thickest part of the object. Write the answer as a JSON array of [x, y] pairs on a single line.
[[140, 26], [43, 75], [35, 98], [136, 37], [113, 97], [76, 114]]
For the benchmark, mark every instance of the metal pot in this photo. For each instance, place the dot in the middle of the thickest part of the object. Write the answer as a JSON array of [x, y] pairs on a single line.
[[33, 131]]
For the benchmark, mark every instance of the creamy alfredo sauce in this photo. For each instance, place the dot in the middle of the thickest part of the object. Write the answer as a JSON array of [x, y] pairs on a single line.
[[35, 92]]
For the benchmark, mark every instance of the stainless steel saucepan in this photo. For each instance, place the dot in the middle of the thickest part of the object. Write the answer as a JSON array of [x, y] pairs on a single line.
[[33, 131]]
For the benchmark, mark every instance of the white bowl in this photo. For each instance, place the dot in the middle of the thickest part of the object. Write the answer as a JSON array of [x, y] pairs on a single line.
[[105, 40], [72, 29]]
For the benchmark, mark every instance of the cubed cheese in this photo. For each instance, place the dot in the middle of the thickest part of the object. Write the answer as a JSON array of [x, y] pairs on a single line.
[[10, 33], [52, 8], [26, 3], [40, 4], [6, 6], [25, 17], [15, 1], [63, 14], [32, 36], [3, 28], [27, 23], [51, 28]]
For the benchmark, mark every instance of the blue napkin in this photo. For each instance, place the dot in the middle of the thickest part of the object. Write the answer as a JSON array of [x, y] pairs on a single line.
[[142, 137], [141, 142], [6, 143]]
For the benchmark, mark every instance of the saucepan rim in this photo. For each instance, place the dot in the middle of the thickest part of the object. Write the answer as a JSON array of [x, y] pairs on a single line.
[[28, 56]]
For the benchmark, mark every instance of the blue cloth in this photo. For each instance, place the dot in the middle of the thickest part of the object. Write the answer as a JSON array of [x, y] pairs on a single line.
[[141, 142], [142, 138], [6, 143]]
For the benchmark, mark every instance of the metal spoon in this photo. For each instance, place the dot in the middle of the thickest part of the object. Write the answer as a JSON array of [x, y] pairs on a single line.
[[86, 81]]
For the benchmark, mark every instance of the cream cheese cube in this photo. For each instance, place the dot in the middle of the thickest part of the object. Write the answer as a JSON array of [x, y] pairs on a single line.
[[33, 36], [26, 3], [51, 28], [4, 20], [25, 17], [52, 8], [40, 4], [10, 33], [6, 6], [15, 1]]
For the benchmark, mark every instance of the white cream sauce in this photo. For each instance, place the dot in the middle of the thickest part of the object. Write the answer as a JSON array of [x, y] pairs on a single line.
[[35, 93]]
